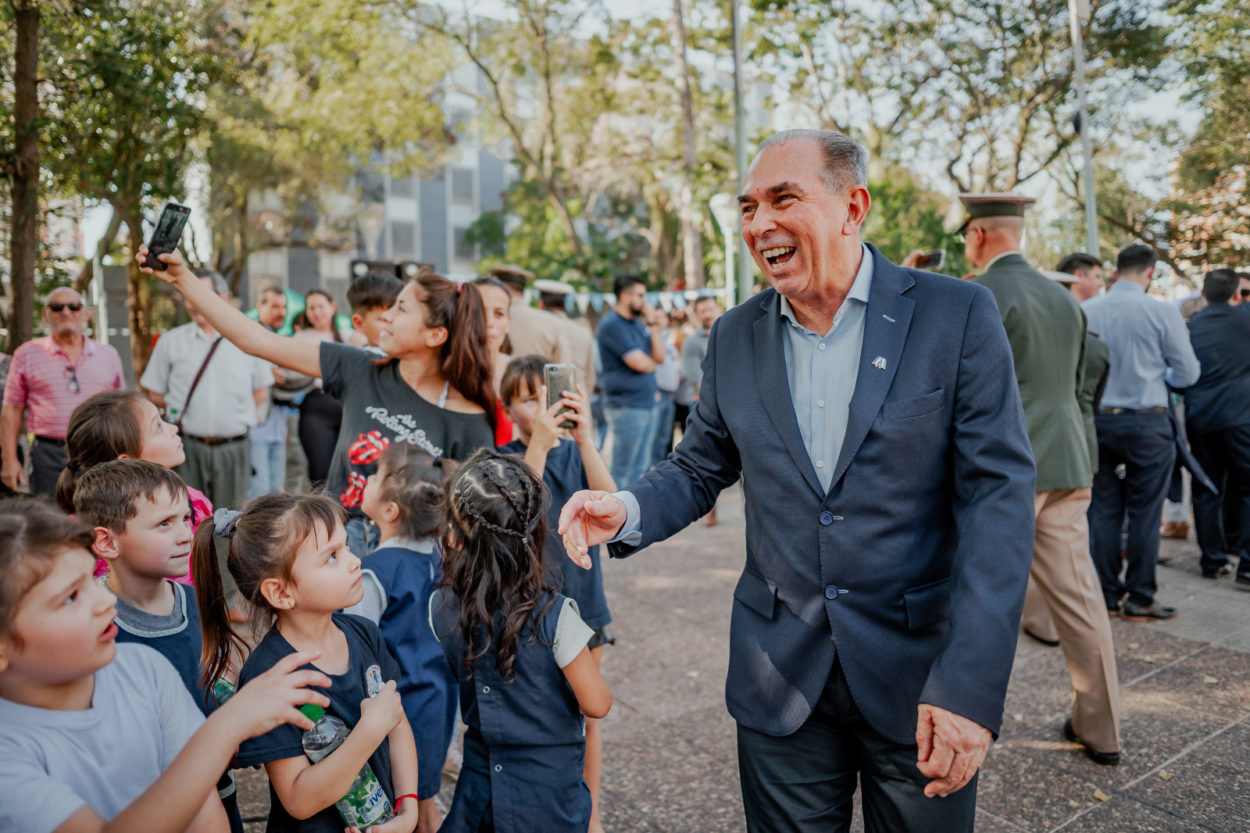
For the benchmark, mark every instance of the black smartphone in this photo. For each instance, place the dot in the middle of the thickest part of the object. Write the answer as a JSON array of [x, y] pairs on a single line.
[[932, 260], [560, 378], [168, 229]]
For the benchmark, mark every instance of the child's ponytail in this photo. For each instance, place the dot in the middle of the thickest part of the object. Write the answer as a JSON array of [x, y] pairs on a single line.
[[220, 639]]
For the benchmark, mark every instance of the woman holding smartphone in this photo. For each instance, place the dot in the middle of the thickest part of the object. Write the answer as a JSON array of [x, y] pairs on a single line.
[[433, 389]]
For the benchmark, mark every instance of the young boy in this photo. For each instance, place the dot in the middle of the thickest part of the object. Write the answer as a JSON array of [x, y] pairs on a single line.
[[565, 468], [141, 522], [96, 736], [404, 497], [370, 295]]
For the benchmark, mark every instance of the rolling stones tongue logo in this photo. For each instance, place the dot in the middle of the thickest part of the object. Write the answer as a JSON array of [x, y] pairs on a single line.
[[366, 450]]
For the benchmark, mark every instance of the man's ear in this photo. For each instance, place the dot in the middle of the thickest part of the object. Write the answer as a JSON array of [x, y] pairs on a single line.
[[277, 593], [358, 321], [104, 543]]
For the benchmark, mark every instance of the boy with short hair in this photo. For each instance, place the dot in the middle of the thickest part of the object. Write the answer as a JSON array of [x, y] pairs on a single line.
[[370, 295], [565, 467], [96, 737], [141, 525]]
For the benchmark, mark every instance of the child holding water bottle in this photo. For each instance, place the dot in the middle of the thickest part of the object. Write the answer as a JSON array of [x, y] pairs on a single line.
[[289, 556]]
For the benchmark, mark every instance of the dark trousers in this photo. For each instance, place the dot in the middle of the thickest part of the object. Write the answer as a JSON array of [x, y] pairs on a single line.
[[320, 417], [47, 461], [1221, 519], [1145, 445], [804, 782]]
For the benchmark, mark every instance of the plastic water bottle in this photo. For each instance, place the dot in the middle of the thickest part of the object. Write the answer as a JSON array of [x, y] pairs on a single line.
[[366, 803]]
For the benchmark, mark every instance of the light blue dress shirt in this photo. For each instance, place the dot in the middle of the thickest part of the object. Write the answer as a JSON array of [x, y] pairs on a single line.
[[822, 371], [1149, 346]]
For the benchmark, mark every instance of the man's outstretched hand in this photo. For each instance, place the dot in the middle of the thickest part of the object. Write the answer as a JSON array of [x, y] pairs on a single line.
[[952, 749], [588, 519]]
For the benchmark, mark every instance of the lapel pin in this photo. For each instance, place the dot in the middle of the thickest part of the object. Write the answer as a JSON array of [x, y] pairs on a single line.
[[879, 362], [887, 318]]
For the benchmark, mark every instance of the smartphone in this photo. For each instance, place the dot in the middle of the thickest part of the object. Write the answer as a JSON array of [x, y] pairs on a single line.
[[168, 230], [932, 260], [560, 378]]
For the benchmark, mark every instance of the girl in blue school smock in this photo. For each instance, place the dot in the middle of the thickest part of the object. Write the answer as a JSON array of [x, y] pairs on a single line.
[[519, 650]]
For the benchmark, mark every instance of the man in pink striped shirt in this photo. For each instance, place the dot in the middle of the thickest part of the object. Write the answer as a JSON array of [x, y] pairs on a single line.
[[48, 379]]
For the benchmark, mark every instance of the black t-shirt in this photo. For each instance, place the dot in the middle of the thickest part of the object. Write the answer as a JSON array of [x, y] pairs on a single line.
[[563, 474], [370, 667], [380, 407]]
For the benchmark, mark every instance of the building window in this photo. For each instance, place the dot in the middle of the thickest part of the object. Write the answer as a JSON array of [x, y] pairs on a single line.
[[403, 239], [462, 186], [401, 187], [463, 249]]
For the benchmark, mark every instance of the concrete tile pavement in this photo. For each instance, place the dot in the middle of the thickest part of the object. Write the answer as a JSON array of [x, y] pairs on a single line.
[[669, 748]]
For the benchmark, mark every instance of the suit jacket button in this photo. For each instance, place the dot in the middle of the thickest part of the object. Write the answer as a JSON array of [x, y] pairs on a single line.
[[831, 592], [826, 518]]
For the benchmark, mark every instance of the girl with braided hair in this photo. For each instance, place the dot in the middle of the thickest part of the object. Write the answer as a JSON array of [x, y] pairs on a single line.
[[520, 651]]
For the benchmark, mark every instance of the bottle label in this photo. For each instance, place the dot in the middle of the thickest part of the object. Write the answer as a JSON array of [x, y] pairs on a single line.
[[367, 803]]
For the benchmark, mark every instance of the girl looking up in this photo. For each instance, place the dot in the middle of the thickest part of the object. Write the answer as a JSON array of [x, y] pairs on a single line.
[[526, 675], [434, 390], [289, 556], [122, 425]]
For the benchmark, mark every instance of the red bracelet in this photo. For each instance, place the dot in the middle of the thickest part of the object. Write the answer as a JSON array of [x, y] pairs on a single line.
[[400, 798]]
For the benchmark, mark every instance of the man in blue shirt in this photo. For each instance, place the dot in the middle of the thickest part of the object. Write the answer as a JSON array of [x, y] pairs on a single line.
[[1150, 351], [630, 349], [873, 417]]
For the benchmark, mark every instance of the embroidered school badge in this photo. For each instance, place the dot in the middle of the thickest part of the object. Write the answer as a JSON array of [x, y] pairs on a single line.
[[373, 680]]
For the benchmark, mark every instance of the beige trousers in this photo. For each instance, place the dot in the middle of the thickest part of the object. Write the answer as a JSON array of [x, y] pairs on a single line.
[[1065, 602]]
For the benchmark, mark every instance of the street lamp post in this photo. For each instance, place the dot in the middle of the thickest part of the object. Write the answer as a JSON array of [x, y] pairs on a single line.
[[725, 210], [1078, 10], [740, 152]]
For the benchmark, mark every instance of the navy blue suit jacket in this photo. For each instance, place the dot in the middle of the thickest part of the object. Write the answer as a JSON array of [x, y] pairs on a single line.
[[1221, 396], [912, 567]]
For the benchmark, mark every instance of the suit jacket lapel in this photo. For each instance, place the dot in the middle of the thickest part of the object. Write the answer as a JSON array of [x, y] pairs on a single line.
[[774, 386], [888, 318]]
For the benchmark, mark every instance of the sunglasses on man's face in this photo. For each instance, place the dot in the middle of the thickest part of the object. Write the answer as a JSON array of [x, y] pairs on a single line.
[[57, 306], [1245, 293]]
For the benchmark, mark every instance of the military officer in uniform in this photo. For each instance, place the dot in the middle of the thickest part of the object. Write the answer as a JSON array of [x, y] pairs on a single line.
[[1046, 329]]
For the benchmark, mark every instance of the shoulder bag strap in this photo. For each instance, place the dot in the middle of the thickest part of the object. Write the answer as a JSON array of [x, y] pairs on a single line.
[[199, 374]]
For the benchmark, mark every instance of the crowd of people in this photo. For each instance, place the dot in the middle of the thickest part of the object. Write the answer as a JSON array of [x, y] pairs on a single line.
[[926, 464]]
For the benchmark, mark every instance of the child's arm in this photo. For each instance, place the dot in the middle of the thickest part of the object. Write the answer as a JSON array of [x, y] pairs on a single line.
[[544, 436], [594, 697], [597, 474], [305, 788], [172, 803], [403, 781]]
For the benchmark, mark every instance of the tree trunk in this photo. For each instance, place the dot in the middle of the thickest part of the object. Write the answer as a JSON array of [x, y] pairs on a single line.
[[83, 279], [25, 185], [139, 299], [691, 235]]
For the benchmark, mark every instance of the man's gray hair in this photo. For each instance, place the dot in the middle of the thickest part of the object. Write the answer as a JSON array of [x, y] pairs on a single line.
[[219, 283], [846, 161]]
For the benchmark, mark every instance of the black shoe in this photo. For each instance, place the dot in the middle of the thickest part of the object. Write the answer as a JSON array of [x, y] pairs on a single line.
[[1049, 643], [1242, 582], [1147, 613], [1219, 572], [1102, 758]]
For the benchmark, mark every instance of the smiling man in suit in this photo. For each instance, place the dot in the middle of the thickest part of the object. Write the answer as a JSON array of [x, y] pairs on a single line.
[[873, 414]]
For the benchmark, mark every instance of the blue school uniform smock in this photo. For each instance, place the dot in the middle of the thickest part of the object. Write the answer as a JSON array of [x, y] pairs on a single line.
[[427, 687], [563, 475], [525, 745], [370, 665]]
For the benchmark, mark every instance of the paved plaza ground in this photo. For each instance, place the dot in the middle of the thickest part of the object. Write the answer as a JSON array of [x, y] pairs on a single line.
[[670, 762]]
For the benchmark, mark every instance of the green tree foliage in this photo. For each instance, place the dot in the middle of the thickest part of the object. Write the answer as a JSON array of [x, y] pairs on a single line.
[[313, 91]]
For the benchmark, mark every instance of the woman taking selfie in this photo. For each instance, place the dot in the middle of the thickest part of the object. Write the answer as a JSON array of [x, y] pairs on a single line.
[[432, 390]]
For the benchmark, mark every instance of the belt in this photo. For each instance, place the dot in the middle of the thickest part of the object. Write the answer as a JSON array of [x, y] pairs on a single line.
[[214, 441], [1159, 409], [52, 440]]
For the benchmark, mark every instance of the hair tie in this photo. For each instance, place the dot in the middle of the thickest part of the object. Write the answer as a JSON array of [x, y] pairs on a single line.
[[459, 289], [225, 521]]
